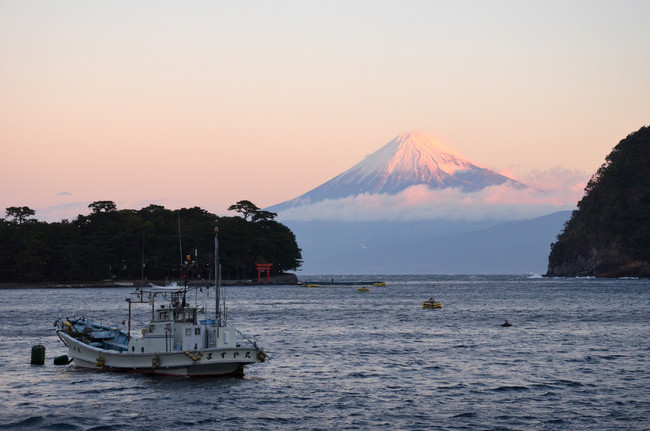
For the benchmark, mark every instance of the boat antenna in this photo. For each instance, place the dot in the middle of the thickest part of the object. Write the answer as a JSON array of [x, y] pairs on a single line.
[[217, 276], [184, 264]]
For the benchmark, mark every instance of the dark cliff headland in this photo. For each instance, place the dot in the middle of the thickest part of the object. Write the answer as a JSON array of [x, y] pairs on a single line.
[[609, 234]]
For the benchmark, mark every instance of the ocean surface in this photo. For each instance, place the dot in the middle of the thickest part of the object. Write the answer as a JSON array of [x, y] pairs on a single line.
[[575, 358]]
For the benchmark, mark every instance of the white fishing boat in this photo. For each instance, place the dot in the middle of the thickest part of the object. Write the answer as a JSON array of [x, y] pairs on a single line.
[[175, 342]]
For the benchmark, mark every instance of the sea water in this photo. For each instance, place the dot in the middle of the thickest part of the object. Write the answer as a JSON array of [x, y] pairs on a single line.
[[575, 357]]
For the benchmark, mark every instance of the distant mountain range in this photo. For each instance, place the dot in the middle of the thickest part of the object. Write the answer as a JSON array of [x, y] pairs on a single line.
[[427, 246], [408, 160]]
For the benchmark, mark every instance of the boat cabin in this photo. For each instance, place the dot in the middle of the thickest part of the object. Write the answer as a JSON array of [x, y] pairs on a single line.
[[177, 314]]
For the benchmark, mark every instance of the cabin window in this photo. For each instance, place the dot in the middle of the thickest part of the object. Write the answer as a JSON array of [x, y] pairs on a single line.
[[197, 331], [133, 348], [186, 317], [188, 331]]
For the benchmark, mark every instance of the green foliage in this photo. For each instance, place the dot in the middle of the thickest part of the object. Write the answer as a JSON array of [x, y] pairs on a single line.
[[130, 245], [611, 226]]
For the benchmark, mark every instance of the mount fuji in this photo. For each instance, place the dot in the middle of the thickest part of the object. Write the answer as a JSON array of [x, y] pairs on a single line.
[[416, 206], [411, 159]]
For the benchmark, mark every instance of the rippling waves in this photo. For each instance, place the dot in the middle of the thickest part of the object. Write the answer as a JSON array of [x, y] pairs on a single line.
[[576, 357]]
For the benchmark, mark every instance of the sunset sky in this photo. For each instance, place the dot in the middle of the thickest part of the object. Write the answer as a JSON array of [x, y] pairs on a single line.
[[205, 103]]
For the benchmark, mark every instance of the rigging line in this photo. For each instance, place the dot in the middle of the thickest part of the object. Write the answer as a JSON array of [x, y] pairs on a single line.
[[253, 342]]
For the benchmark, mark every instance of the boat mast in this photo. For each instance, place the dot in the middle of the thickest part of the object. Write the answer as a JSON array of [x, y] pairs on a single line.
[[217, 277], [180, 241]]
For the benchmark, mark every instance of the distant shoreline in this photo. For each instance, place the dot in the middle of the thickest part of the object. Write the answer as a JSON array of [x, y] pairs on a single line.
[[286, 279]]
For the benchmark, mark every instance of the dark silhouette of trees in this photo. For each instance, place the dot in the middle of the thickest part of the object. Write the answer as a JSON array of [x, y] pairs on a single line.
[[102, 206], [609, 234], [249, 209], [19, 214], [150, 243]]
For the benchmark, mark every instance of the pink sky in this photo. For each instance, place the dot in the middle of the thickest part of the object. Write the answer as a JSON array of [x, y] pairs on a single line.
[[207, 103]]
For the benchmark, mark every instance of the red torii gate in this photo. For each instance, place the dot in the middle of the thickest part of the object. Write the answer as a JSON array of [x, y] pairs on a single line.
[[263, 267]]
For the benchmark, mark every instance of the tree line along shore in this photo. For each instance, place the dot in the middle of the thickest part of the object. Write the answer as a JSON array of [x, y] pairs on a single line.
[[153, 243]]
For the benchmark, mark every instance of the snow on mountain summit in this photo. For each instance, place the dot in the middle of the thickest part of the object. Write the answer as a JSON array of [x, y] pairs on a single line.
[[415, 155], [410, 159]]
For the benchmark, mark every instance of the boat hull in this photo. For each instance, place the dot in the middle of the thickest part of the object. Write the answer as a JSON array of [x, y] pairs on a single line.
[[200, 363]]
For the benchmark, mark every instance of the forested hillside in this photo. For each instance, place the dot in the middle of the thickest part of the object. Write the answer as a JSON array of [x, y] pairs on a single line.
[[609, 234], [150, 243]]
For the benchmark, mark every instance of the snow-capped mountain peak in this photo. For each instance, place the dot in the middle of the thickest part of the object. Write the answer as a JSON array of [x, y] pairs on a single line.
[[410, 159], [414, 155]]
